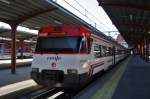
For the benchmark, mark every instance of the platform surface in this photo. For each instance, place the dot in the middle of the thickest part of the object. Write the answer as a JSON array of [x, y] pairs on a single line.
[[22, 73], [128, 80], [135, 83]]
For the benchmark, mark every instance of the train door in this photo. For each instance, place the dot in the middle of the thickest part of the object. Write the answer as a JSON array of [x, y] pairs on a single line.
[[114, 54]]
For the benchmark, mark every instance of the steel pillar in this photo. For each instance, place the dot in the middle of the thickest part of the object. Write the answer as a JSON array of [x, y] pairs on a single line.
[[147, 50], [13, 49], [138, 49], [141, 52]]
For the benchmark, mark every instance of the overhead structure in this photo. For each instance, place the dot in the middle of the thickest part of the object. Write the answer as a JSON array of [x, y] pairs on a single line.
[[35, 13], [131, 17], [21, 35]]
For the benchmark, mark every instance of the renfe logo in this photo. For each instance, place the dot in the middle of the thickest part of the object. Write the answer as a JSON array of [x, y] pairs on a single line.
[[53, 64], [56, 58]]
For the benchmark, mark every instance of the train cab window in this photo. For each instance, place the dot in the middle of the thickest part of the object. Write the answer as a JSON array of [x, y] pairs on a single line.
[[82, 47], [60, 44]]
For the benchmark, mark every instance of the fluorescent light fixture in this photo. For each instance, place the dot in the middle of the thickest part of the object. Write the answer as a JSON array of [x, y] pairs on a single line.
[[57, 22], [5, 1], [131, 17], [148, 32]]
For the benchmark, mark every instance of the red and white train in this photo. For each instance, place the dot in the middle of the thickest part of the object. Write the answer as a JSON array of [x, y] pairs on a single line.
[[70, 55]]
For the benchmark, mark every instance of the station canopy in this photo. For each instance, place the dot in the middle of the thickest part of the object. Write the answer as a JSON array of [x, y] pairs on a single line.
[[22, 35], [131, 17], [34, 14]]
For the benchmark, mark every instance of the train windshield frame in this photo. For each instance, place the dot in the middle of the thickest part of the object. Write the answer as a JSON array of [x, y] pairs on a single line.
[[61, 44]]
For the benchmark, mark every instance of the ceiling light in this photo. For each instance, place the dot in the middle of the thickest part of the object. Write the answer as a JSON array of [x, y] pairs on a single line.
[[57, 22], [5, 1], [131, 17]]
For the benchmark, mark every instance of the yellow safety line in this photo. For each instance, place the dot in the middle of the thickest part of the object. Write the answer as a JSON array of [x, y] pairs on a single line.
[[109, 87]]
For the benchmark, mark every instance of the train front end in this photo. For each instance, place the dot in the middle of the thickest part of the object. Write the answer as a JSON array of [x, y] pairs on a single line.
[[60, 57]]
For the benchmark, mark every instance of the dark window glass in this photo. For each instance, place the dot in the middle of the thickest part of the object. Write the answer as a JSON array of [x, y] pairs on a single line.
[[104, 51], [82, 47], [97, 51], [109, 51], [59, 44]]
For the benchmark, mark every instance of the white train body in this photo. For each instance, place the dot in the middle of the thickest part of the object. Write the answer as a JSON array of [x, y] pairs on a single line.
[[73, 65]]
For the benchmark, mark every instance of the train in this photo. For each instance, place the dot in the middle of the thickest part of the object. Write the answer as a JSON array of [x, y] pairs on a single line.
[[71, 55]]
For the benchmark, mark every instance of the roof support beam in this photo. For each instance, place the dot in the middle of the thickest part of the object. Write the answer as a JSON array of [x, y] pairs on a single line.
[[32, 15], [5, 20], [146, 27], [140, 7]]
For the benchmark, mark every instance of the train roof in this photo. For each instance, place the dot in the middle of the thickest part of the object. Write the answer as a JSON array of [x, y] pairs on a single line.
[[89, 28], [101, 34]]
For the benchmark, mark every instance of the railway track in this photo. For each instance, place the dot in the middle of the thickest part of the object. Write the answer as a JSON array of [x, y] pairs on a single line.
[[50, 93], [45, 93]]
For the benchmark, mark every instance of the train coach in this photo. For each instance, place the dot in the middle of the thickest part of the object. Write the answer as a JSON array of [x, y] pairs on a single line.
[[70, 55]]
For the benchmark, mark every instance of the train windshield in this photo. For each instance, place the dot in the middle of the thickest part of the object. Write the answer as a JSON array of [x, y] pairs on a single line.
[[60, 44]]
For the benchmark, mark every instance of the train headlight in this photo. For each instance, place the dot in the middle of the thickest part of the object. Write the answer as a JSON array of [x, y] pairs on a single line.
[[35, 69], [85, 65], [72, 71]]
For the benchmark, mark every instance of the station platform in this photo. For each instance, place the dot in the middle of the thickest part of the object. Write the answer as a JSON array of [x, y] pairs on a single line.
[[19, 82], [128, 80], [20, 62], [22, 73]]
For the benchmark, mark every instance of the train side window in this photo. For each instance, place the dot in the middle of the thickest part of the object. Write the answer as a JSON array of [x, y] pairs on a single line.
[[109, 51], [100, 49], [116, 51], [104, 51], [97, 51]]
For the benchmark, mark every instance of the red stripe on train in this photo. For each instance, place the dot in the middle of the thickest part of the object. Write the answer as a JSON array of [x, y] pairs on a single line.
[[94, 66], [58, 53]]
